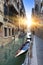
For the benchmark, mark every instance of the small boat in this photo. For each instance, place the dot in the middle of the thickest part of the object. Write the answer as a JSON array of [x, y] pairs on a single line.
[[23, 49]]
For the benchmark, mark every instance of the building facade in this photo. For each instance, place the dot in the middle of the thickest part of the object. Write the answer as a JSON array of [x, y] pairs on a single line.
[[37, 12], [38, 8], [9, 9]]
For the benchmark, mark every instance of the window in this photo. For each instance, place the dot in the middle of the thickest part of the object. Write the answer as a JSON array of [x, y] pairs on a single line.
[[5, 9], [9, 32], [36, 7], [5, 32], [12, 31]]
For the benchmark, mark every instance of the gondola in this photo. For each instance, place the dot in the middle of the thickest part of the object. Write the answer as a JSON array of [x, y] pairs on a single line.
[[23, 49]]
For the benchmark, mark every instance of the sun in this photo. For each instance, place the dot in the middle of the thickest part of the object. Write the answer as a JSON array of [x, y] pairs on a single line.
[[29, 21]]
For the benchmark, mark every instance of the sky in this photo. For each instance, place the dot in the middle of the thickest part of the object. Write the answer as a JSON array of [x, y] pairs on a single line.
[[28, 4]]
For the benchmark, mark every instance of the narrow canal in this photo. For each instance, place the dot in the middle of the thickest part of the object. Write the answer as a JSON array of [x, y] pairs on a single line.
[[7, 53]]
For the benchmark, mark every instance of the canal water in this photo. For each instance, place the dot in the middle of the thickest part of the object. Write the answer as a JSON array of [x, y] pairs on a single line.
[[7, 53]]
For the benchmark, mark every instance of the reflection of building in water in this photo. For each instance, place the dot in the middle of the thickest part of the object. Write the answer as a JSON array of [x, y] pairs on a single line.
[[8, 10]]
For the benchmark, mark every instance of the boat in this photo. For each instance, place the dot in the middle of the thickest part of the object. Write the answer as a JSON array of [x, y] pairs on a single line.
[[23, 49]]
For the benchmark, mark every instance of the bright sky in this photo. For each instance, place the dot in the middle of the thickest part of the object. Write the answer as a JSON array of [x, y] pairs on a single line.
[[28, 4]]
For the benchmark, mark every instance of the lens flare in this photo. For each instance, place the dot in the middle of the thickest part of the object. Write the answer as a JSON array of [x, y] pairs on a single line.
[[29, 22]]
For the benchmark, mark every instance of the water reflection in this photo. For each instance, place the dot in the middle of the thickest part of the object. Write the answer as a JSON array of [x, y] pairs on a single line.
[[7, 53]]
